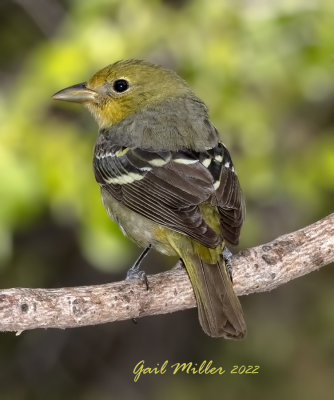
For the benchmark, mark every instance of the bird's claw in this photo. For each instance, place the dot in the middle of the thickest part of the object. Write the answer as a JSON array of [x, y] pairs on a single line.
[[227, 256], [136, 273]]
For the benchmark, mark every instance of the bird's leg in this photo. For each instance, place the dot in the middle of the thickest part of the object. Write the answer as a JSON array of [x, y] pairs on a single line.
[[227, 255], [134, 272]]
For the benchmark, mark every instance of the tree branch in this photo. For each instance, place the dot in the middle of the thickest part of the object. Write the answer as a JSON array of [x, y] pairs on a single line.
[[258, 269]]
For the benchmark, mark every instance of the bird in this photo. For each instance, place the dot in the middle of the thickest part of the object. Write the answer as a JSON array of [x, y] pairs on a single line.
[[167, 179]]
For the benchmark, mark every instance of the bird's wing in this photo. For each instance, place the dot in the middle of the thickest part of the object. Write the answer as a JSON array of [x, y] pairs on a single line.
[[230, 200], [166, 187]]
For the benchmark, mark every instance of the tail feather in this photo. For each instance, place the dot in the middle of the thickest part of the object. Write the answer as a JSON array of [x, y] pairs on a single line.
[[219, 310]]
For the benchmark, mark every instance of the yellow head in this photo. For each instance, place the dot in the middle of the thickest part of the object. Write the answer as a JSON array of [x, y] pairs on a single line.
[[123, 88]]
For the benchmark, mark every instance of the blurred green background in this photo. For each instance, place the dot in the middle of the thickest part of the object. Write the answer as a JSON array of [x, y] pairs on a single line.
[[265, 69]]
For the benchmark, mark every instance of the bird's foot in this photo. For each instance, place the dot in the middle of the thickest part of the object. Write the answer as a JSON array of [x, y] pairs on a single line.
[[135, 273], [227, 256]]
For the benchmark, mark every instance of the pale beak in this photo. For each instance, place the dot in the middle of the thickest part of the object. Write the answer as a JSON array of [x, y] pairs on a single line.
[[77, 93]]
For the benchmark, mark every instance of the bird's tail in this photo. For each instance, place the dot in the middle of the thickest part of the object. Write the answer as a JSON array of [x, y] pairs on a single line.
[[219, 310]]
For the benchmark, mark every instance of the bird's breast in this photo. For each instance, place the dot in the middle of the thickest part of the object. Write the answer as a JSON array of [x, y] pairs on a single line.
[[141, 230]]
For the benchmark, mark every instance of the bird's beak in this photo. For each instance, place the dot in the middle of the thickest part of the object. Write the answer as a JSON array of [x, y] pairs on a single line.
[[77, 93]]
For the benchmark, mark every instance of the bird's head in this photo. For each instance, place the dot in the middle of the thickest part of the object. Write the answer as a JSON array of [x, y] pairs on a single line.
[[123, 88]]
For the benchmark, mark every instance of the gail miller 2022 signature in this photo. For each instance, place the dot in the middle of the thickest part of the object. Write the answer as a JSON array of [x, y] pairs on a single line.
[[190, 368]]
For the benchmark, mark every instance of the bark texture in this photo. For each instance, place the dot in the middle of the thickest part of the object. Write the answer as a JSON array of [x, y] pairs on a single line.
[[258, 269]]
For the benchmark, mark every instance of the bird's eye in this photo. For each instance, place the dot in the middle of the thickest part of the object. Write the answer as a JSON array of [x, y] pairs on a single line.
[[120, 85]]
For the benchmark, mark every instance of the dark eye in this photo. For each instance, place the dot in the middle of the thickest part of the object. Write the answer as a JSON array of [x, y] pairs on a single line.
[[121, 85]]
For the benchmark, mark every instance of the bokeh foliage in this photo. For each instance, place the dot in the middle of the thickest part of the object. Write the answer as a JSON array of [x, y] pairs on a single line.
[[266, 73], [265, 69]]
